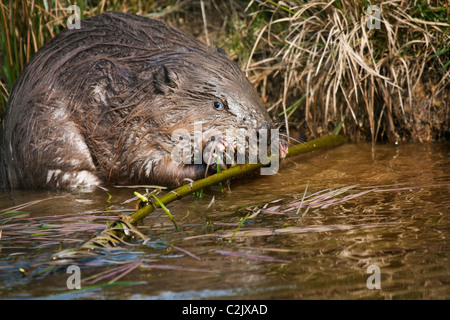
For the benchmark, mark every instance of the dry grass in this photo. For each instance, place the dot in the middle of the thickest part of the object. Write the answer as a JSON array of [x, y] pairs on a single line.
[[388, 83], [316, 63]]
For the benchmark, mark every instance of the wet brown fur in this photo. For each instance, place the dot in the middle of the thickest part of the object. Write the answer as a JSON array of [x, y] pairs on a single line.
[[120, 85]]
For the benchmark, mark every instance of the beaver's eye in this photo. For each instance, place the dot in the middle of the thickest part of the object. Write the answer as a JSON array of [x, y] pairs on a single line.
[[218, 105]]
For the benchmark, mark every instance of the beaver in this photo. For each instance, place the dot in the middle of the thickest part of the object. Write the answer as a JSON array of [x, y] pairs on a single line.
[[99, 104]]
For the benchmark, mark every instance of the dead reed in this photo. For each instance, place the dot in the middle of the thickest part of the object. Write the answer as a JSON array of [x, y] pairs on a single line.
[[387, 72], [316, 63]]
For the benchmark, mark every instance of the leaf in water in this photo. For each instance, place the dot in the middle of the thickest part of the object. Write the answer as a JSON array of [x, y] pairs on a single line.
[[169, 267], [287, 230], [24, 205], [250, 256], [122, 271], [267, 211], [74, 293], [186, 252]]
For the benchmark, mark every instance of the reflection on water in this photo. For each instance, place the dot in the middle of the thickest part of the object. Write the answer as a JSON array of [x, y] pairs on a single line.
[[403, 228]]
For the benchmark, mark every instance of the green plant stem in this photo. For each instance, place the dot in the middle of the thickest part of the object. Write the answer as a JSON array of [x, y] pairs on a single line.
[[329, 141], [239, 227], [161, 204], [104, 239]]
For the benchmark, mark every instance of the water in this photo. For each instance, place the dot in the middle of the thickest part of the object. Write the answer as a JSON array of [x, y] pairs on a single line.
[[323, 253]]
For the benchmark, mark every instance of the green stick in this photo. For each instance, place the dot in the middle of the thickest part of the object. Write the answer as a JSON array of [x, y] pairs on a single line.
[[104, 239], [329, 141]]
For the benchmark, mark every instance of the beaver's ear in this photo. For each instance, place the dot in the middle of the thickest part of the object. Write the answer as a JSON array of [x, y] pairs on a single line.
[[165, 80]]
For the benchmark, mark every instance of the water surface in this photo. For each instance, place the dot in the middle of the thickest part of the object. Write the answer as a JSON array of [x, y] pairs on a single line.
[[397, 220]]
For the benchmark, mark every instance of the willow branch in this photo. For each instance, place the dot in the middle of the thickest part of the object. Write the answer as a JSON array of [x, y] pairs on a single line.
[[112, 236], [329, 141]]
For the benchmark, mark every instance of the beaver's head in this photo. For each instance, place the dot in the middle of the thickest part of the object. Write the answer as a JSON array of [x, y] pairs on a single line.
[[207, 91]]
